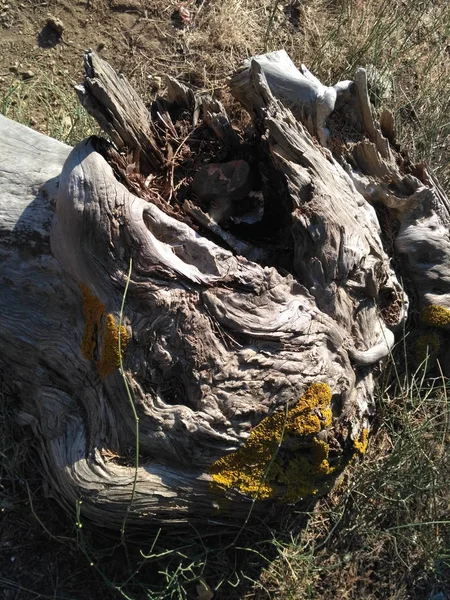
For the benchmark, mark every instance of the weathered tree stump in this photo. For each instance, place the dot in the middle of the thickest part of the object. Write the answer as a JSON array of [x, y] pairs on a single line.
[[189, 358]]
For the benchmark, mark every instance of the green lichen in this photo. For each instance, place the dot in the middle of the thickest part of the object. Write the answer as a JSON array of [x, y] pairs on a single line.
[[283, 455], [436, 316], [101, 330], [427, 347]]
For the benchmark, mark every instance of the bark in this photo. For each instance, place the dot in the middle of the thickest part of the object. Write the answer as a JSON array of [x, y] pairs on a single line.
[[247, 353]]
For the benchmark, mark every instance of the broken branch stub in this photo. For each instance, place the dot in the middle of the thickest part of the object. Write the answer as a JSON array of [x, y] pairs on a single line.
[[119, 111], [248, 344]]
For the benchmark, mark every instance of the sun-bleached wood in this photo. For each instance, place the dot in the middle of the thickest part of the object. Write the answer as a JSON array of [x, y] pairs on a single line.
[[119, 111], [78, 418], [222, 332], [299, 90]]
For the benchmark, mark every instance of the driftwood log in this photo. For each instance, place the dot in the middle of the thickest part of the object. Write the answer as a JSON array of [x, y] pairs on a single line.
[[180, 358]]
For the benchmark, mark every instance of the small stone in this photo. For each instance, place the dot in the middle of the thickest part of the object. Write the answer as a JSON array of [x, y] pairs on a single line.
[[27, 74], [229, 180], [56, 24], [155, 83], [126, 5]]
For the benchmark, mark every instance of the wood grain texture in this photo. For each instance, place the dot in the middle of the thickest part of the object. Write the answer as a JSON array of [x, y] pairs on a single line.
[[220, 334], [120, 112]]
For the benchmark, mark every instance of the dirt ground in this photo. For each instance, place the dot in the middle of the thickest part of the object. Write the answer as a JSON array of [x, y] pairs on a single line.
[[42, 44], [137, 36]]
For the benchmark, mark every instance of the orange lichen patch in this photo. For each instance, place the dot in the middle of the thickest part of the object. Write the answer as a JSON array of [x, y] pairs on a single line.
[[263, 468], [436, 316], [228, 472], [93, 312], [100, 325], [110, 359], [361, 444]]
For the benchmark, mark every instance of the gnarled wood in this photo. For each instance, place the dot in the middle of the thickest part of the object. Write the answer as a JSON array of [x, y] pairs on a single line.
[[224, 328], [300, 91]]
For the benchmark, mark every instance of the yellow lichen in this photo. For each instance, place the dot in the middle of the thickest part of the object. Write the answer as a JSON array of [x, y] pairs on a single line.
[[103, 327], [361, 444], [327, 415], [110, 358], [264, 466], [436, 316], [304, 472]]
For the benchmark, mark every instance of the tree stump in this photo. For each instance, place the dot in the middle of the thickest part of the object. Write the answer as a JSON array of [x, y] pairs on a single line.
[[197, 358]]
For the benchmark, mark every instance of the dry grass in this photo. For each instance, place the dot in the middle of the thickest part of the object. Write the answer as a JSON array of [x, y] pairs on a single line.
[[45, 105], [405, 40]]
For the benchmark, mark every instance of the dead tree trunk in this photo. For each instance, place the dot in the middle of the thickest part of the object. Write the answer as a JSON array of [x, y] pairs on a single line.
[[184, 348]]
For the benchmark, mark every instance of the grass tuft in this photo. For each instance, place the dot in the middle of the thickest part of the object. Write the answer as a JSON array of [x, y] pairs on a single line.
[[43, 104]]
